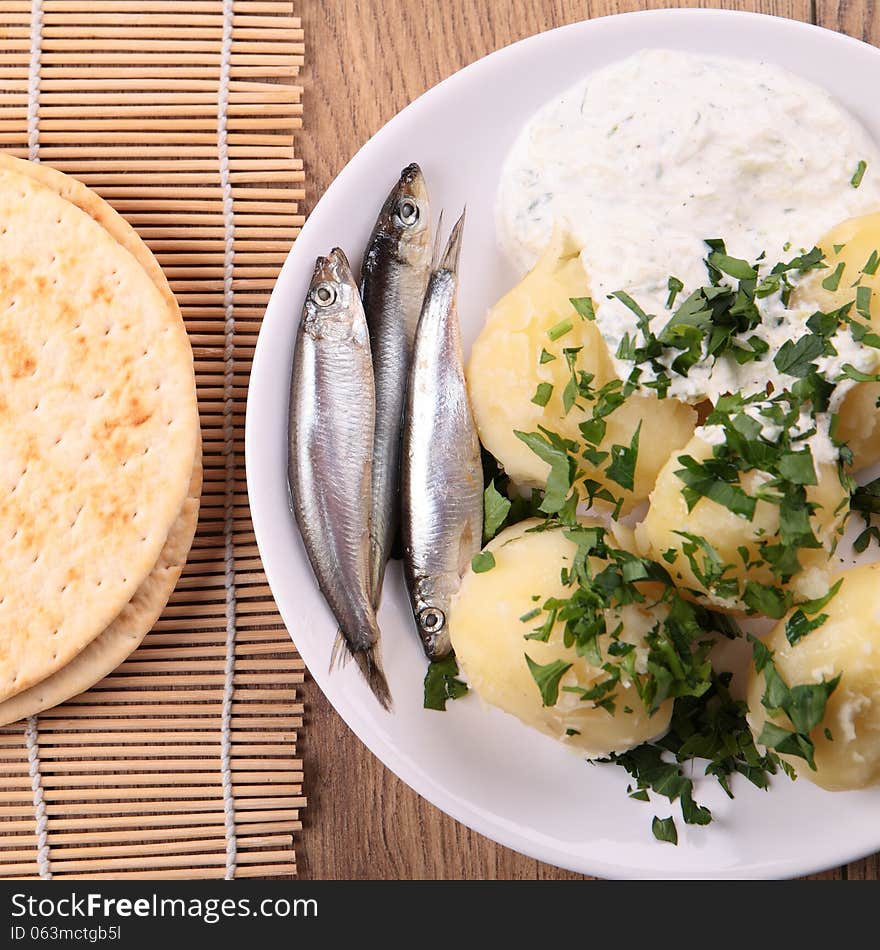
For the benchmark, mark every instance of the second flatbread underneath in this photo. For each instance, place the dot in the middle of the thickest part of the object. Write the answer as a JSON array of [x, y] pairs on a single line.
[[124, 635]]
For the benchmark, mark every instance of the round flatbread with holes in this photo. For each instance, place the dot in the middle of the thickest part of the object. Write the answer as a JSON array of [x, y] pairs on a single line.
[[113, 645], [98, 426]]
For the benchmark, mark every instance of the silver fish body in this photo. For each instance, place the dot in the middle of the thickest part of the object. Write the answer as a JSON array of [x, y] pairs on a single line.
[[442, 479], [394, 275], [332, 408]]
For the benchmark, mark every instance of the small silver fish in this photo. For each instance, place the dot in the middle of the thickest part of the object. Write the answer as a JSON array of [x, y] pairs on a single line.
[[332, 411], [394, 276], [442, 478]]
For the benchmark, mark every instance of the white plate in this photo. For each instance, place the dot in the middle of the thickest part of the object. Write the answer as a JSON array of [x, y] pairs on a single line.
[[477, 764]]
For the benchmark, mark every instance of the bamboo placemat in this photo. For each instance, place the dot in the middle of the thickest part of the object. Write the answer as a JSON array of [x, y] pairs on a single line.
[[182, 762]]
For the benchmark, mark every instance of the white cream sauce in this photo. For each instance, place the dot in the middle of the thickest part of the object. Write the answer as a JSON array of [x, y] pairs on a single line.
[[648, 157]]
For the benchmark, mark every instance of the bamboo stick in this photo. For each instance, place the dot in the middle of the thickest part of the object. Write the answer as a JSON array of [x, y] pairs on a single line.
[[142, 784], [207, 759], [58, 758], [263, 870], [93, 83], [200, 763], [271, 95], [68, 28], [116, 114], [159, 6], [173, 678], [145, 662], [185, 861], [162, 786], [134, 43], [161, 715], [207, 702], [61, 839], [141, 849], [277, 636], [160, 796], [164, 18], [71, 827], [168, 806]]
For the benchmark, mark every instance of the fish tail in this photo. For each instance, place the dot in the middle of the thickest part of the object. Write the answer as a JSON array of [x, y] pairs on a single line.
[[341, 653], [369, 664], [377, 573], [435, 257], [376, 590], [449, 259]]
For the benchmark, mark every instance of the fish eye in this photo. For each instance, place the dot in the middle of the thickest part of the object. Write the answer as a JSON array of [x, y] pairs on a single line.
[[324, 295], [431, 619], [408, 212]]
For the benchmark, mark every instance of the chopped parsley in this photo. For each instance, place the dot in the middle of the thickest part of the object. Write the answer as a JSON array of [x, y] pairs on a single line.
[[547, 677], [441, 683], [711, 728], [543, 394], [718, 319], [765, 456], [560, 329], [557, 453], [859, 173], [496, 508], [482, 562], [664, 830], [623, 462], [676, 660], [675, 287], [796, 357], [832, 281], [802, 705], [863, 302], [584, 306], [865, 502]]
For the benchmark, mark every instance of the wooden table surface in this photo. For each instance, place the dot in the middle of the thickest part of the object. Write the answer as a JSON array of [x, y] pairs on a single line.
[[366, 60]]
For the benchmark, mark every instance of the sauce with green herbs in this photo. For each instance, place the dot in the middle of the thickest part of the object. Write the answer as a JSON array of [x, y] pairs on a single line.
[[646, 158]]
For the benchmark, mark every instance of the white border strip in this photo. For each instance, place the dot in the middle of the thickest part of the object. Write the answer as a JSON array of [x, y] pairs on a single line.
[[228, 436], [33, 110], [33, 750]]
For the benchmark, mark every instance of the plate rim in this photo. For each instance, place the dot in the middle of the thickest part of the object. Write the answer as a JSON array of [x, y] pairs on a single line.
[[418, 780]]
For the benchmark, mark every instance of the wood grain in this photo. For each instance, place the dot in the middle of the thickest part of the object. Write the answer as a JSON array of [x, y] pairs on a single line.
[[365, 61]]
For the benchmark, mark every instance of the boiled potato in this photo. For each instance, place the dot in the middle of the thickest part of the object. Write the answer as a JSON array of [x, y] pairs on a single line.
[[848, 643], [505, 370], [727, 532], [858, 424], [487, 636], [858, 239]]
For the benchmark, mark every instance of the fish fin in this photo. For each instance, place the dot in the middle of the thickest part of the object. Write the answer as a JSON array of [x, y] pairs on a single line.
[[449, 261], [435, 257], [368, 662], [377, 574], [376, 593], [341, 653]]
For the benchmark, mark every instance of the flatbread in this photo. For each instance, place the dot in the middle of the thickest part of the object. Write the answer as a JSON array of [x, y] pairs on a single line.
[[125, 634], [74, 191], [96, 377]]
